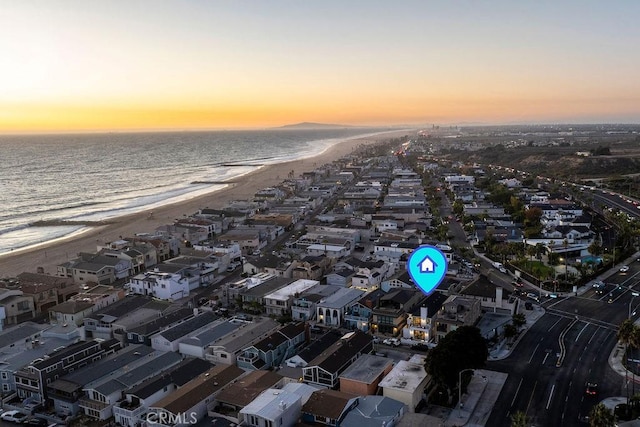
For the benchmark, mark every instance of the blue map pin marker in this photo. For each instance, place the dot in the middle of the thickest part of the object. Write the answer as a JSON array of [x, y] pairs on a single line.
[[427, 267]]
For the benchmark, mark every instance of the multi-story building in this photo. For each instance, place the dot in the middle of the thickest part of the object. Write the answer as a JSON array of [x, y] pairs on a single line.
[[32, 380], [390, 313], [166, 286]]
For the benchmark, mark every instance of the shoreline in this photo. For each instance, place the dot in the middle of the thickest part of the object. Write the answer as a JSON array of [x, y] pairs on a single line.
[[52, 253]]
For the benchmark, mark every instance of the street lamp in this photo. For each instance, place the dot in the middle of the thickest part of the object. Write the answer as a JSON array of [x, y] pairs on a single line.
[[460, 386]]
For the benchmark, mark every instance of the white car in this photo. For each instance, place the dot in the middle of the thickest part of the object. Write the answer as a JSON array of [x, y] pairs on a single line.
[[394, 342], [13, 416], [624, 268]]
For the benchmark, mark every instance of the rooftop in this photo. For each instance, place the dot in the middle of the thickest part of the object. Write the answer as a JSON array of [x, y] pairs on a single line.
[[188, 326], [366, 368], [406, 376], [247, 388], [198, 389]]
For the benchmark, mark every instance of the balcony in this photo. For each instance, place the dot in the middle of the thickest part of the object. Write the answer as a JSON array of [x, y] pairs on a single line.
[[92, 404], [128, 409]]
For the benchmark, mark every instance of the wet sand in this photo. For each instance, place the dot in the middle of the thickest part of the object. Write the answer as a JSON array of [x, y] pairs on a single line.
[[51, 254]]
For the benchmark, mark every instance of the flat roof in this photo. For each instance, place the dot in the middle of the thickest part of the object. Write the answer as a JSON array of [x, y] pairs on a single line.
[[405, 376], [296, 287], [366, 368]]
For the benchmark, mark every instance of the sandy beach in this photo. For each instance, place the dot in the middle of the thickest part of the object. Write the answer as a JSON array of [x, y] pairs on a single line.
[[49, 255]]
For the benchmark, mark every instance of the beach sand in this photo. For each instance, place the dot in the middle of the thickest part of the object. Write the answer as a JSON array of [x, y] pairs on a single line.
[[49, 255]]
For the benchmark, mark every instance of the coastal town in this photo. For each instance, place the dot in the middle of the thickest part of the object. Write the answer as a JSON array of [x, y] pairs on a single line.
[[295, 307]]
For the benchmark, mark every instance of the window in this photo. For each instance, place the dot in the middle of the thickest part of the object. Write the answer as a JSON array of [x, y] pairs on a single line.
[[5, 387], [4, 376]]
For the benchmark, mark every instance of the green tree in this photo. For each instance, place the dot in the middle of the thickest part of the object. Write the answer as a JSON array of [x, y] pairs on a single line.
[[601, 416], [510, 331], [457, 207], [626, 333], [519, 419], [518, 320], [595, 248], [463, 348]]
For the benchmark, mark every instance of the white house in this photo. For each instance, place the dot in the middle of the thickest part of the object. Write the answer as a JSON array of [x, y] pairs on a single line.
[[406, 382], [166, 286]]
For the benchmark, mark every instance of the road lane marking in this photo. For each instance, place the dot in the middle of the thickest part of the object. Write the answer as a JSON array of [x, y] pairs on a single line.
[[531, 398], [553, 387], [517, 391], [552, 326], [534, 352], [580, 333]]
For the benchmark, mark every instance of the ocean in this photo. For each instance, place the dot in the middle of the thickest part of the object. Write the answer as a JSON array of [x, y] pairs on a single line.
[[94, 177]]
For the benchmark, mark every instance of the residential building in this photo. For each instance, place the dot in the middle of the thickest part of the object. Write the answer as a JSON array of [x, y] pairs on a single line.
[[456, 311], [15, 307], [328, 407], [33, 379], [241, 393], [375, 411], [420, 325], [390, 314], [120, 315], [272, 350], [360, 314], [170, 339], [130, 411], [225, 350], [190, 403], [142, 334], [303, 307], [326, 368], [279, 302], [406, 382], [276, 407], [196, 345], [331, 310], [166, 286], [364, 375]]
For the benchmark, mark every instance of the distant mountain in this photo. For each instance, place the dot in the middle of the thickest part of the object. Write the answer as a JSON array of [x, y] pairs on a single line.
[[311, 125]]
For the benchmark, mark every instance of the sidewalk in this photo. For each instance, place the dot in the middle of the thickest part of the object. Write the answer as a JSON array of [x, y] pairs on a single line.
[[476, 404]]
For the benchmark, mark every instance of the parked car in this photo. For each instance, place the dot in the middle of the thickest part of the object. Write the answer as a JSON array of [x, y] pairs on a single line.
[[36, 422], [13, 416], [420, 347], [394, 342]]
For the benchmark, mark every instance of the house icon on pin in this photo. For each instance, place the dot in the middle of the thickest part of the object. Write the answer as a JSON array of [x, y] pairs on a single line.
[[427, 265]]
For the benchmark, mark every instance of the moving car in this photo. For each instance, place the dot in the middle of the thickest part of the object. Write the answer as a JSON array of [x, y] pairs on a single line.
[[591, 389], [13, 416], [624, 268]]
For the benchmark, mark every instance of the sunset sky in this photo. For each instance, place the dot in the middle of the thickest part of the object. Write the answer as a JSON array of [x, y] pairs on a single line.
[[158, 64]]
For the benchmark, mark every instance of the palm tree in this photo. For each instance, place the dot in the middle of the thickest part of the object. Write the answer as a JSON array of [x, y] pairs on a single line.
[[519, 419], [626, 333], [601, 416]]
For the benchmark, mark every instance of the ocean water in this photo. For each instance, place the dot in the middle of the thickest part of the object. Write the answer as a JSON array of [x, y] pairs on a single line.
[[92, 177]]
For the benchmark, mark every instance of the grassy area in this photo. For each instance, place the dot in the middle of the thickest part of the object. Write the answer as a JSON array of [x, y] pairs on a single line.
[[535, 268]]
